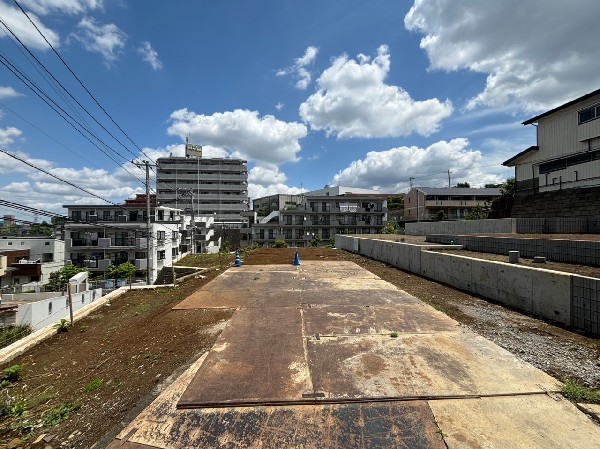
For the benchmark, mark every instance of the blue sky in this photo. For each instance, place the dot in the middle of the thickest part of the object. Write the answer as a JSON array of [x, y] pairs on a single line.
[[366, 94]]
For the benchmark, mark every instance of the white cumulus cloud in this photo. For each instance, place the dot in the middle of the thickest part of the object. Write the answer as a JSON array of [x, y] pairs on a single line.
[[353, 100], [43, 7], [266, 175], [391, 169], [242, 133], [24, 30], [150, 55], [537, 54], [8, 92], [299, 69], [8, 135], [107, 40]]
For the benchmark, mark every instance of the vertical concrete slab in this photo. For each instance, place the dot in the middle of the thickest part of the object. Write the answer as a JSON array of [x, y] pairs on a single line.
[[515, 287], [551, 295], [484, 279]]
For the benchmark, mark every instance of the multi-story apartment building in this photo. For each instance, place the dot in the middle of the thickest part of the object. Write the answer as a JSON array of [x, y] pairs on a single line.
[[97, 236], [567, 152], [428, 203], [267, 204], [209, 186], [321, 216], [30, 259]]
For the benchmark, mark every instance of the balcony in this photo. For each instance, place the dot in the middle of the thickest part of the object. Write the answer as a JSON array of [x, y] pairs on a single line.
[[141, 264]]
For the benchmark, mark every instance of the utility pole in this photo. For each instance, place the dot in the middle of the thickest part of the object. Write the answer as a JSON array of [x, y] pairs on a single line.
[[146, 164], [148, 241], [411, 180], [449, 178]]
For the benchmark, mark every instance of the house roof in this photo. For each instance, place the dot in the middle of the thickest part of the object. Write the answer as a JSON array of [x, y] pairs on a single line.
[[509, 162], [459, 191], [566, 105]]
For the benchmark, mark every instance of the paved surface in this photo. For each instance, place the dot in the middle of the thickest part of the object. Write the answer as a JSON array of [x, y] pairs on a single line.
[[330, 356]]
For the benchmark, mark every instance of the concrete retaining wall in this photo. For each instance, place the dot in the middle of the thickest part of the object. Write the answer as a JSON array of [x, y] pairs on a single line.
[[569, 299], [569, 251]]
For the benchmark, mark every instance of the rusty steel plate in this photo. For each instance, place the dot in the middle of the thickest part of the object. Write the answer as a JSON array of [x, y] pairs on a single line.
[[444, 364], [259, 357], [385, 319], [371, 297], [404, 425]]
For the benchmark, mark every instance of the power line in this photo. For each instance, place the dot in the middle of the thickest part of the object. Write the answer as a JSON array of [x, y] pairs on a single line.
[[2, 105], [78, 80], [4, 60], [56, 177]]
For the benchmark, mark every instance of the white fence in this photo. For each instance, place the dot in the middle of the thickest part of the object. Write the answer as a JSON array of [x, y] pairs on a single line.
[[43, 313]]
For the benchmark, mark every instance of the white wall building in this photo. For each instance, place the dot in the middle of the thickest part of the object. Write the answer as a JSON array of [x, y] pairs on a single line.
[[97, 236], [30, 260]]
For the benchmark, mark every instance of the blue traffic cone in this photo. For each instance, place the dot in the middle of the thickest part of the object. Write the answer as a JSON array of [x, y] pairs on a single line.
[[238, 262], [296, 259]]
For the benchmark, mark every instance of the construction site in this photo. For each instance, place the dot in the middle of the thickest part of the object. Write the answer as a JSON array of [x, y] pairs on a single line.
[[324, 348]]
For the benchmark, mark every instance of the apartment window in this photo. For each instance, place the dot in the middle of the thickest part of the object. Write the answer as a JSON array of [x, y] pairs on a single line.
[[325, 233], [288, 234], [174, 252], [299, 219], [589, 114], [271, 235], [140, 255], [261, 234], [160, 255], [106, 215], [160, 235], [46, 243]]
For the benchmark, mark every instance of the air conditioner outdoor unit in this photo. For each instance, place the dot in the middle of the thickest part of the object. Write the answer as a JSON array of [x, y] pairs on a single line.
[[93, 218]]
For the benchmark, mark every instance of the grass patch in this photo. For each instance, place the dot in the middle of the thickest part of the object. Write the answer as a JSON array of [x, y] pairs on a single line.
[[575, 392], [94, 385], [440, 308], [10, 334], [11, 374], [60, 414], [394, 335]]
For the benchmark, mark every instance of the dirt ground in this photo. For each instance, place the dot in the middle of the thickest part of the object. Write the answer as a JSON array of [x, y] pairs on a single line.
[[107, 366], [114, 362]]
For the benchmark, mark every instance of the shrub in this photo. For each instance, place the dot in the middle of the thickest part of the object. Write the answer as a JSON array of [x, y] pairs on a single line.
[[62, 326], [10, 334], [280, 244], [60, 414], [12, 373]]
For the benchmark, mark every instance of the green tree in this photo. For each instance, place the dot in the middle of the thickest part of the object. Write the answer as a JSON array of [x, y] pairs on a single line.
[[122, 271], [395, 203], [509, 188], [479, 212], [465, 185], [59, 279], [390, 228], [40, 229], [492, 186]]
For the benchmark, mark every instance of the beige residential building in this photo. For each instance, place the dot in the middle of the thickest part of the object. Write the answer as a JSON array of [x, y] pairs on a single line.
[[455, 203], [567, 151]]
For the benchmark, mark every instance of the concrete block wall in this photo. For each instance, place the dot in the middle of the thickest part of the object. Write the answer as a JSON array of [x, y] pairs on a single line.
[[496, 226], [569, 251], [523, 225], [569, 299], [580, 202], [585, 306]]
